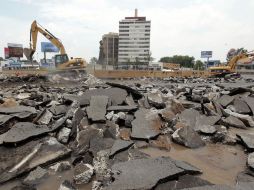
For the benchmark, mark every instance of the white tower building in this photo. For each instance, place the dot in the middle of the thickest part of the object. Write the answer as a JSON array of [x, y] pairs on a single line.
[[134, 40]]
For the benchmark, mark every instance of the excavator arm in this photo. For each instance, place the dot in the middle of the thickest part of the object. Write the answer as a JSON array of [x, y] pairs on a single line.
[[234, 60], [35, 29], [231, 65], [61, 60]]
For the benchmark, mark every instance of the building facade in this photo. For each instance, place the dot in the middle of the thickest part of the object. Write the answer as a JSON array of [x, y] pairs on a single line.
[[109, 49], [212, 63], [134, 40], [246, 63]]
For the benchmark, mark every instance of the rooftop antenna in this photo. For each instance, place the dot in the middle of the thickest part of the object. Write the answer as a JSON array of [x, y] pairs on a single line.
[[136, 12]]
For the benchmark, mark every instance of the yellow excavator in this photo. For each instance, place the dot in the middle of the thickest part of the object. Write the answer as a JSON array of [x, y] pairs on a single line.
[[233, 57], [62, 60]]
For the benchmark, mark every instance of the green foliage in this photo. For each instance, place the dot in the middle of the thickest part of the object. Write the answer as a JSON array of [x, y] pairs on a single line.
[[137, 60], [93, 60], [128, 62], [199, 65], [184, 61], [166, 59], [149, 57]]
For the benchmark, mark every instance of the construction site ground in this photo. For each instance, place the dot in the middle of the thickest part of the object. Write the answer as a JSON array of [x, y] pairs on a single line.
[[219, 161]]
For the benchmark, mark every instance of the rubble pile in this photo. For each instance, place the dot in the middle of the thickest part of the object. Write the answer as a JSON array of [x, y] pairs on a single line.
[[22, 79], [98, 130]]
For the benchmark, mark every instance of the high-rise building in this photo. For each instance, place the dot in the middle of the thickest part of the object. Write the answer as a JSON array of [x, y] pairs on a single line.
[[134, 40], [109, 49]]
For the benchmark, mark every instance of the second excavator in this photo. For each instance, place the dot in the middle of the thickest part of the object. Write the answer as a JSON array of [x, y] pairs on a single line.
[[233, 57], [62, 61]]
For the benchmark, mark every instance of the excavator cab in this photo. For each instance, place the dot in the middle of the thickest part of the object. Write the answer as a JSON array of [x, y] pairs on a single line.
[[61, 59]]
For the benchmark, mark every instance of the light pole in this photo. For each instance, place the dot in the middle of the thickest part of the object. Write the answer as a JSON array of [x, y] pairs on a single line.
[[107, 54]]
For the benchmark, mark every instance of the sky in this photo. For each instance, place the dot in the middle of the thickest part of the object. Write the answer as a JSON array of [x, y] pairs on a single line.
[[178, 27]]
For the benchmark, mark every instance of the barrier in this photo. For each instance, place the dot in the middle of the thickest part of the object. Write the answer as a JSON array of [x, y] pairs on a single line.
[[114, 74], [24, 72]]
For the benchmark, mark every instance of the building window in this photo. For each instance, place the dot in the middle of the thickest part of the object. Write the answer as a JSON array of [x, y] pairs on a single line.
[[123, 26], [143, 54], [126, 22], [144, 38], [143, 42], [144, 22], [123, 34], [133, 46]]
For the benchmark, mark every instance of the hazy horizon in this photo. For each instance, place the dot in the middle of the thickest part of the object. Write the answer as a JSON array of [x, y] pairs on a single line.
[[177, 27]]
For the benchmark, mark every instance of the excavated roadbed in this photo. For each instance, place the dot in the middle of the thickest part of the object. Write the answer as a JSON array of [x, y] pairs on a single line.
[[86, 133]]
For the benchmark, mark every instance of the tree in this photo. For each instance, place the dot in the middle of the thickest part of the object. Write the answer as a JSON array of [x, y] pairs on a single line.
[[1, 59], [184, 61], [149, 57], [165, 59], [128, 62], [137, 60], [93, 61], [199, 65]]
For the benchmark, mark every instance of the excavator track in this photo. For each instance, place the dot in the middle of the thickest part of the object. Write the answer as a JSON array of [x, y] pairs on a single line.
[[72, 74]]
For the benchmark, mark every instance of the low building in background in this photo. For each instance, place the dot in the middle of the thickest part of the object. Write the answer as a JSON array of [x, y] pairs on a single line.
[[212, 63], [246, 63], [171, 66], [109, 49], [29, 65], [48, 63]]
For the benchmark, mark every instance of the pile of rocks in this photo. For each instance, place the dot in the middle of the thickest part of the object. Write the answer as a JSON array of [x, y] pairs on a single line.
[[97, 129], [22, 79]]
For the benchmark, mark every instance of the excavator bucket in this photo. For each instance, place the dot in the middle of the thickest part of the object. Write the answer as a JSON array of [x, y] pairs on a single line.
[[28, 53]]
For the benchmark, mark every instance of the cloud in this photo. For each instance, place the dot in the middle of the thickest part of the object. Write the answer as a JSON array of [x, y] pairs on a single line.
[[12, 31], [178, 27], [23, 1]]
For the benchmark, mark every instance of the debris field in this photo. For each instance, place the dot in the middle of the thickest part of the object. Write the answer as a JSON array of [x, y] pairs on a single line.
[[98, 129]]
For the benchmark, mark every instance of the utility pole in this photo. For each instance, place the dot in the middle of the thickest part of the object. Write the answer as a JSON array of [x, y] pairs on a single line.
[[45, 57], [107, 54], [113, 53], [207, 63]]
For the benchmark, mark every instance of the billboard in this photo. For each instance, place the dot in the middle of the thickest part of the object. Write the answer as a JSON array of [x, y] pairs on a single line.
[[212, 63], [15, 45], [6, 53], [48, 47], [206, 54], [15, 50]]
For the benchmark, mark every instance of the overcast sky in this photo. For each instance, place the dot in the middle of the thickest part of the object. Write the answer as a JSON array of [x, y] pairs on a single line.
[[178, 26]]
